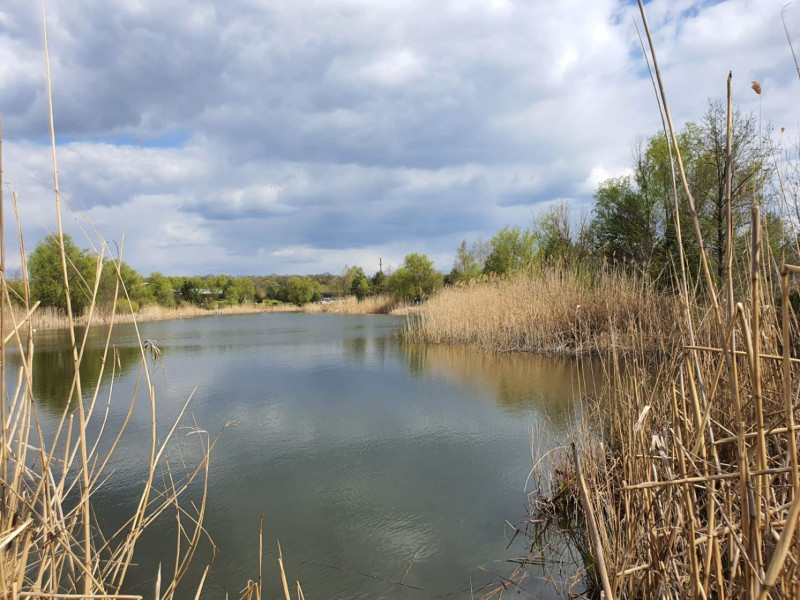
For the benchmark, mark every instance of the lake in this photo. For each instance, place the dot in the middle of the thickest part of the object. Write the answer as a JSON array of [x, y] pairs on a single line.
[[364, 454]]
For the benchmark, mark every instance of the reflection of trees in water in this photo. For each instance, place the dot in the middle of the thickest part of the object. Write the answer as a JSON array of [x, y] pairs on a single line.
[[53, 369], [358, 349], [381, 345], [518, 381], [355, 349]]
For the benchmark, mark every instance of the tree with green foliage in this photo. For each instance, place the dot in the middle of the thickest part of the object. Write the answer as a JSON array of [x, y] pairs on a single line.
[[139, 292], [340, 285], [239, 290], [748, 175], [512, 248], [624, 226], [300, 290], [553, 233], [416, 280], [161, 289], [703, 152], [466, 266], [47, 279], [191, 290], [273, 289], [378, 283], [359, 284]]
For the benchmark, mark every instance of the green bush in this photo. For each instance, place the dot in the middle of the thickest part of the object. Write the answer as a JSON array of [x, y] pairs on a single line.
[[123, 307]]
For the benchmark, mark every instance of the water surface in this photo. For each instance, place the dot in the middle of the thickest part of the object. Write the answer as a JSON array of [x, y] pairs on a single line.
[[364, 454]]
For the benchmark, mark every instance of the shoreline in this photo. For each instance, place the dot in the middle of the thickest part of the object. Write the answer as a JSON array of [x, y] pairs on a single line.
[[47, 319]]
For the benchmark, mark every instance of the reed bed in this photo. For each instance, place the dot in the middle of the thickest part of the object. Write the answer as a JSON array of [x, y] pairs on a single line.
[[685, 481], [381, 304], [558, 310]]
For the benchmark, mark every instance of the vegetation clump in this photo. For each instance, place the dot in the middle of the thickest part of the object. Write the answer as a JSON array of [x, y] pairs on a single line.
[[687, 483]]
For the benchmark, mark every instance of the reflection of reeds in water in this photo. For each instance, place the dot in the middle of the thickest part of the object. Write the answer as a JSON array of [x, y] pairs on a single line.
[[518, 381]]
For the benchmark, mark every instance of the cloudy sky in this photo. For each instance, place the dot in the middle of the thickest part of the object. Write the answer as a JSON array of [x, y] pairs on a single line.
[[300, 136]]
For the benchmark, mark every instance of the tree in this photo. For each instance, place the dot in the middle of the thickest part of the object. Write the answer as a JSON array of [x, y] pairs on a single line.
[[512, 249], [161, 289], [554, 234], [300, 290], [191, 290], [466, 266], [703, 152], [47, 279], [747, 175], [359, 284], [378, 283], [238, 290], [416, 280], [625, 224], [130, 280], [341, 284], [273, 289]]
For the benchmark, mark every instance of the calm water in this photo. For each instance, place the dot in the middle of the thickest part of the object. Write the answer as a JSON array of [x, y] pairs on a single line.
[[361, 452]]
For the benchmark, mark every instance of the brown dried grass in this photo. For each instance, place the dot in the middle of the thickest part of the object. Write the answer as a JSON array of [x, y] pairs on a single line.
[[49, 317], [381, 304], [688, 483], [559, 310]]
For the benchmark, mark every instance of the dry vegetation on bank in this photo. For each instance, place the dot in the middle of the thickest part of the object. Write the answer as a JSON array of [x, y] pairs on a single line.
[[559, 310], [685, 479], [49, 317], [381, 304]]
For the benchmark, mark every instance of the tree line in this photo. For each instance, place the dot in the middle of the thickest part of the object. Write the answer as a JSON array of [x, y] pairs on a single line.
[[632, 224], [413, 281]]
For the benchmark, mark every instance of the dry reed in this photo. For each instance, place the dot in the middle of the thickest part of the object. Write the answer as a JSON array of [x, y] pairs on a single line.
[[560, 310], [689, 480], [373, 305], [49, 317]]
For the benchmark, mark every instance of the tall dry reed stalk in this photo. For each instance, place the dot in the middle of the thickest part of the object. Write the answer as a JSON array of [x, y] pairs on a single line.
[[51, 543], [688, 487]]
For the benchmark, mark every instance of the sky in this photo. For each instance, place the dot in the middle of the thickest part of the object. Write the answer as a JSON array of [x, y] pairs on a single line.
[[300, 136]]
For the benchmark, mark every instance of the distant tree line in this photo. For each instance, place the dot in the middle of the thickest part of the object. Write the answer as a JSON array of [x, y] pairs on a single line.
[[414, 280], [209, 291], [632, 225]]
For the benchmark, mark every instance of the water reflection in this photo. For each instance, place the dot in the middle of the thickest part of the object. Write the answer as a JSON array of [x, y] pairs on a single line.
[[361, 452], [54, 369], [517, 382], [355, 348]]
